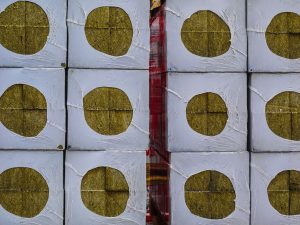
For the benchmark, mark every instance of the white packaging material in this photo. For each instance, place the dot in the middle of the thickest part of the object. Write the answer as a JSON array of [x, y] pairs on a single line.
[[264, 168], [232, 12], [134, 83], [54, 53], [50, 166], [260, 15], [232, 88], [131, 164], [263, 88], [51, 83], [83, 55], [233, 165]]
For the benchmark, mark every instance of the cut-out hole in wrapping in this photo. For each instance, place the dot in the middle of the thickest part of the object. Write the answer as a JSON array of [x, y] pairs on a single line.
[[24, 28]]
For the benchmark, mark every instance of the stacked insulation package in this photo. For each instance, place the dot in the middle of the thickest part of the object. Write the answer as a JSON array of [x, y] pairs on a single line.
[[106, 90], [274, 89], [207, 112]]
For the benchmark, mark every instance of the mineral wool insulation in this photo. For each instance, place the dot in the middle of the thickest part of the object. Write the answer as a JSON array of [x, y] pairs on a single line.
[[105, 188], [211, 189], [32, 108], [275, 188], [207, 112], [33, 33], [273, 33], [206, 37], [275, 112], [109, 34], [108, 109], [31, 187]]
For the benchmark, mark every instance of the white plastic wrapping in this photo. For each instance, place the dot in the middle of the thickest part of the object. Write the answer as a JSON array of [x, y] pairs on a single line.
[[133, 167], [50, 166], [54, 52], [135, 83], [263, 87], [233, 90], [180, 59], [83, 55], [51, 83], [234, 165], [264, 168], [260, 14]]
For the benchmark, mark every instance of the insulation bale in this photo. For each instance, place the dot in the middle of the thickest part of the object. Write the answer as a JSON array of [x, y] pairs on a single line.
[[31, 188], [33, 33], [207, 112], [274, 38], [275, 112], [109, 34], [106, 187], [108, 109], [32, 108], [206, 37], [275, 188], [212, 188]]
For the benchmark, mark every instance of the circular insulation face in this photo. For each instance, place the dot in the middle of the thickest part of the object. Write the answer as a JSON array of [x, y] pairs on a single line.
[[109, 30], [23, 110], [23, 192], [284, 192], [210, 194], [24, 28], [107, 110], [282, 35], [105, 191], [207, 114], [283, 115], [206, 34]]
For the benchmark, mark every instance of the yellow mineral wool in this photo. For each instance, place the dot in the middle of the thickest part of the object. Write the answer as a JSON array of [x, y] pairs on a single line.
[[109, 30], [210, 194], [24, 28], [105, 191], [107, 110], [23, 110], [284, 192], [207, 114], [283, 115], [206, 34], [283, 35], [23, 192]]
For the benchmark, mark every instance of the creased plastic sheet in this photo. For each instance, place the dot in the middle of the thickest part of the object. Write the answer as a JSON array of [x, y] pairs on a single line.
[[180, 59], [83, 55], [263, 87], [54, 52], [260, 14], [233, 90], [264, 168], [234, 165], [51, 83], [50, 166], [135, 83], [133, 167]]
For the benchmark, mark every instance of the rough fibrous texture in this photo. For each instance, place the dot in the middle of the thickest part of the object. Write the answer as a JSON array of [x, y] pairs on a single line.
[[24, 28], [210, 194], [283, 35], [23, 192], [283, 115], [284, 192], [105, 191], [206, 34], [23, 110], [109, 30], [107, 110], [207, 114]]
